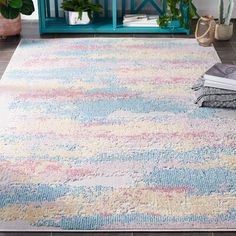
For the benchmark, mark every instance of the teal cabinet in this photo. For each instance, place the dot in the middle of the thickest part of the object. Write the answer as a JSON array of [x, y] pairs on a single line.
[[52, 19]]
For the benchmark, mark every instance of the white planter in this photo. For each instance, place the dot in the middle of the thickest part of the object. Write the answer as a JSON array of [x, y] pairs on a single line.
[[72, 18], [224, 32]]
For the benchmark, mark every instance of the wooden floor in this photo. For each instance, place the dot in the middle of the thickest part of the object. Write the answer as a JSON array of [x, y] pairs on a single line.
[[226, 51]]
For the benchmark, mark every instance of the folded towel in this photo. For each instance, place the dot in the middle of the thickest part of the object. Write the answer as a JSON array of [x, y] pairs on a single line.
[[214, 97]]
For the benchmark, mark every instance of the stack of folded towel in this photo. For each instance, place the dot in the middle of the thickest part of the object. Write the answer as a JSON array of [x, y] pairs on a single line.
[[217, 87]]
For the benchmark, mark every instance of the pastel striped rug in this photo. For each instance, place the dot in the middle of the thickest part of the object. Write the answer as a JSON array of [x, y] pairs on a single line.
[[103, 134]]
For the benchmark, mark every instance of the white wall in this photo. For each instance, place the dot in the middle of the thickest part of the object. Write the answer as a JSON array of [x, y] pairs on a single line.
[[209, 7], [205, 7], [34, 16]]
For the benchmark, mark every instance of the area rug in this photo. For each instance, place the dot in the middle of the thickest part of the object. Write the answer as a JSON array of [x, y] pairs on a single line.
[[103, 134]]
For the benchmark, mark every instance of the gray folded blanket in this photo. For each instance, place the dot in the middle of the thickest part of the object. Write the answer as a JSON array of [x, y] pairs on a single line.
[[214, 97]]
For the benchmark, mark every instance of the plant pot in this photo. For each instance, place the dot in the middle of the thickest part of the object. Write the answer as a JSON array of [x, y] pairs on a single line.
[[205, 31], [9, 27], [224, 32], [72, 18]]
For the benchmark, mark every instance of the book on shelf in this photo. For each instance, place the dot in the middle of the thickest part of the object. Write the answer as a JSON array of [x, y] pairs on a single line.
[[140, 20], [133, 17], [221, 76]]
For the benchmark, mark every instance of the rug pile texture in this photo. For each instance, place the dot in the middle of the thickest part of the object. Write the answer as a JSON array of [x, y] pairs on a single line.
[[103, 134]]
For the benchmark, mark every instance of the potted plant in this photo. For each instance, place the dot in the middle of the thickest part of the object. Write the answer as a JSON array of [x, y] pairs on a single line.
[[80, 12], [224, 26], [10, 22], [183, 11]]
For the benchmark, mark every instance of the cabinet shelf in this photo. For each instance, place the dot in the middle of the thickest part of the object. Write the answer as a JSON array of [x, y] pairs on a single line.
[[113, 24]]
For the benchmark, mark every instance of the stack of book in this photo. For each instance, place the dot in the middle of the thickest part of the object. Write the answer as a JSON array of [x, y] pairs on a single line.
[[140, 20], [217, 87]]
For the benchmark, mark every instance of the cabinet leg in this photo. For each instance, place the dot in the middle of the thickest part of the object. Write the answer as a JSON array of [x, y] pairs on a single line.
[[114, 14]]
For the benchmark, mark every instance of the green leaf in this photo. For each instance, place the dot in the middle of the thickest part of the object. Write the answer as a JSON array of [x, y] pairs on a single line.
[[182, 10], [90, 15], [163, 21], [27, 7], [8, 12], [80, 15], [3, 2], [15, 3], [81, 6]]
